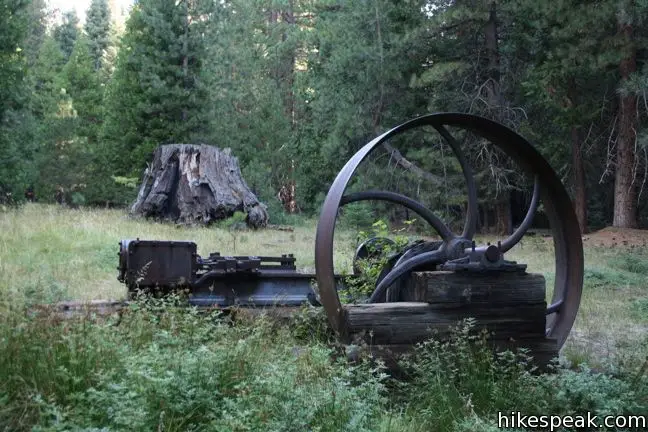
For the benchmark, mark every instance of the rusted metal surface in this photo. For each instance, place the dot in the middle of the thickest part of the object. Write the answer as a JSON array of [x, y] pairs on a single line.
[[161, 267], [152, 263], [562, 310]]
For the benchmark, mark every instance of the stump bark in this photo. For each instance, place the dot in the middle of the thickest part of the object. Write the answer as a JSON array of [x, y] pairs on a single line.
[[196, 184]]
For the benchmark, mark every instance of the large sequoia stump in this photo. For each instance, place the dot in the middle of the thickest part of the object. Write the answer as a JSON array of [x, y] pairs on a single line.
[[196, 184]]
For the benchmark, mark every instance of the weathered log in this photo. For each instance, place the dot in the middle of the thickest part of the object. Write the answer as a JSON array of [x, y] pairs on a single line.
[[196, 184]]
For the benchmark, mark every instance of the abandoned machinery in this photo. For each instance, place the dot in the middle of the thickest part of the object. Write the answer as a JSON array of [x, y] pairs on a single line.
[[150, 266], [427, 285]]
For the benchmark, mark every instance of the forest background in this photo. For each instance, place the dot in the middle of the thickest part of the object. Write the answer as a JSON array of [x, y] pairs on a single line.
[[295, 87]]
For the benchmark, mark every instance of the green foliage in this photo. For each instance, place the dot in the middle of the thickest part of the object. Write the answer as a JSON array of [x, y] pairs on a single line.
[[624, 269], [14, 119], [311, 324], [84, 87], [252, 47], [66, 34], [379, 256], [162, 368], [635, 261], [97, 27], [362, 58], [295, 88], [358, 216], [639, 308], [155, 96], [37, 31], [460, 384], [234, 221]]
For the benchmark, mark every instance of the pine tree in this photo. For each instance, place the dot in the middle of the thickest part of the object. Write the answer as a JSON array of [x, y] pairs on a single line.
[[52, 110], [155, 96], [38, 20], [14, 154], [97, 27], [83, 86], [561, 51], [66, 33], [250, 75], [625, 181], [362, 58]]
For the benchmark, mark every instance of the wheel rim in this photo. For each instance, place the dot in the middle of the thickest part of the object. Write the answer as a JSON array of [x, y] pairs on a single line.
[[568, 248]]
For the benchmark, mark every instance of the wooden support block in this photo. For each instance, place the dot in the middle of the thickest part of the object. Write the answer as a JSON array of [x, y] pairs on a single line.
[[412, 322], [488, 288], [510, 306]]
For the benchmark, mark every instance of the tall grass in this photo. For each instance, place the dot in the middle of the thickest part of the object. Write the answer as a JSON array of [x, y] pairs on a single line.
[[49, 253], [159, 368], [173, 369], [162, 368]]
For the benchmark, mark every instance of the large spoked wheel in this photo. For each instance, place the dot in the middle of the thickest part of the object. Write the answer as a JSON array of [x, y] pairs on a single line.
[[563, 308]]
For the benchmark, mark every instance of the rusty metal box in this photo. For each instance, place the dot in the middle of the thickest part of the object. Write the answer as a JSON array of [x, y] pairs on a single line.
[[162, 264]]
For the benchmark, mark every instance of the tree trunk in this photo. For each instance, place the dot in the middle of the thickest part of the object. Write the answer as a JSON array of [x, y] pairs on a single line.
[[580, 189], [503, 224], [625, 186], [185, 54], [503, 215], [493, 56], [196, 184], [580, 192]]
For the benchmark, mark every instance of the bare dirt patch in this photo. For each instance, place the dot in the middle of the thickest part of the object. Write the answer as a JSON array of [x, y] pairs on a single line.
[[617, 237]]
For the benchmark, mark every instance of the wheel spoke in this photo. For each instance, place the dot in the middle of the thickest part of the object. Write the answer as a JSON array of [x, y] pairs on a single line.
[[411, 204], [397, 272], [419, 249], [514, 238], [555, 307], [470, 226]]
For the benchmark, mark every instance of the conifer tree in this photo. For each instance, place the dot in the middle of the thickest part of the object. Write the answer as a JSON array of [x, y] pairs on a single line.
[[362, 60], [13, 96], [83, 86], [251, 79], [66, 33], [155, 96], [38, 20], [97, 27], [51, 107]]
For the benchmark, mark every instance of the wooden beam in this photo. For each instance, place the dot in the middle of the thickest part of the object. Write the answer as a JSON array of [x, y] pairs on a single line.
[[412, 322], [488, 288]]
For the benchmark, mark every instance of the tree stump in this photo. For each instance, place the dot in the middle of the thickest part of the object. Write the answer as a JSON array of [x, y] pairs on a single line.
[[196, 184]]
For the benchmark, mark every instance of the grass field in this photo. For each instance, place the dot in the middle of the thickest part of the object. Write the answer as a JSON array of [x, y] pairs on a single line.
[[181, 371]]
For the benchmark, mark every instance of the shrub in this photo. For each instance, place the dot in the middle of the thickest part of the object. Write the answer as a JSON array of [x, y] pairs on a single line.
[[461, 385], [165, 368]]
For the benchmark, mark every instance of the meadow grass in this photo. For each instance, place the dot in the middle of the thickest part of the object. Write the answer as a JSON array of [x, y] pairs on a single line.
[[49, 253], [160, 368]]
